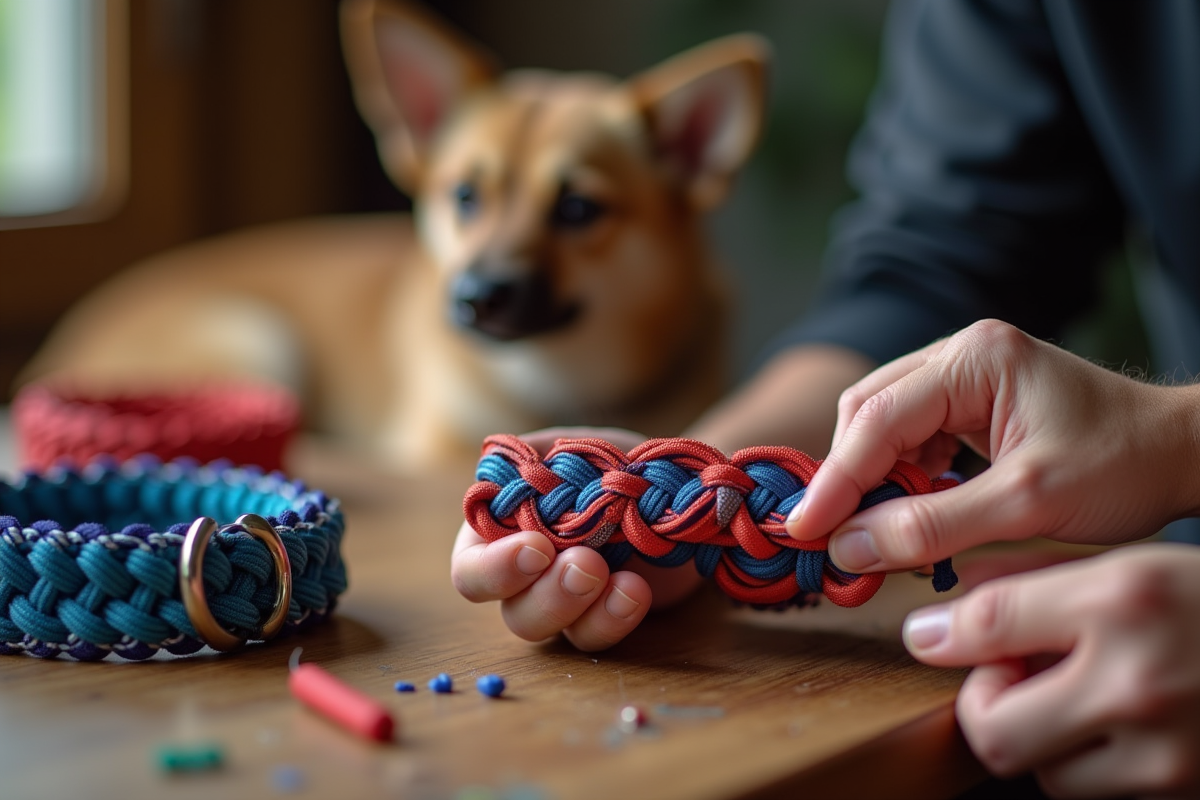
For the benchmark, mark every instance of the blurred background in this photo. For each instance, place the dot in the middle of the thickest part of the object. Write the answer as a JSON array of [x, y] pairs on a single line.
[[130, 126]]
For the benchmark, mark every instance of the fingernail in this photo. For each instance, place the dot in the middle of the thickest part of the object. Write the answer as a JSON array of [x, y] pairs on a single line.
[[854, 550], [620, 605], [578, 582], [797, 511], [531, 561], [926, 628]]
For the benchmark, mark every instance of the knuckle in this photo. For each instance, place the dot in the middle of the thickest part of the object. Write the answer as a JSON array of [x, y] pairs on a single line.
[[986, 614], [1131, 605], [519, 624], [1137, 594], [553, 615], [1135, 696], [874, 408], [997, 757], [1054, 784], [850, 400], [875, 419], [589, 639], [1141, 693], [1029, 487], [533, 624], [1176, 770], [527, 632], [461, 585], [992, 750], [994, 336], [972, 357], [917, 536], [464, 576]]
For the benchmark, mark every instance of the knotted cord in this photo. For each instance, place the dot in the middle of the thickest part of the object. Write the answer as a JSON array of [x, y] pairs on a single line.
[[672, 501]]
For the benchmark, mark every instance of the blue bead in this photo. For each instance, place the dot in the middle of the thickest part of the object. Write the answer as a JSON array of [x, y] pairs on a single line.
[[442, 684], [405, 686], [287, 779], [491, 685]]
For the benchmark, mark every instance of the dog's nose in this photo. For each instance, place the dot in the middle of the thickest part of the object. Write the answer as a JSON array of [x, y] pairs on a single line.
[[507, 310]]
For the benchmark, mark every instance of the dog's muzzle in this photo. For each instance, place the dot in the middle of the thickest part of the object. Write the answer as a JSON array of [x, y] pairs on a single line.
[[508, 310]]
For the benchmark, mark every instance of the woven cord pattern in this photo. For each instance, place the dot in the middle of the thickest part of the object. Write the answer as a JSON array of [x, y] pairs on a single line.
[[677, 500], [243, 423], [105, 578]]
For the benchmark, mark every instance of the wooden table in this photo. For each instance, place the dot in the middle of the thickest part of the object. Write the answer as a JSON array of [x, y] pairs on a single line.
[[819, 702]]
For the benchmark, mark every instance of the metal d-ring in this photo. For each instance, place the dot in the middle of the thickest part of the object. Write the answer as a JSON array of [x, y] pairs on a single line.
[[191, 580]]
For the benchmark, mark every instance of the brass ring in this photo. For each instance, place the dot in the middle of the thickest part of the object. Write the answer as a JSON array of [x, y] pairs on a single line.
[[191, 580]]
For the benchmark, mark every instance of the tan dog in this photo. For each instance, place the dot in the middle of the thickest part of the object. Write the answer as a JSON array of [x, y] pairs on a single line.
[[555, 270]]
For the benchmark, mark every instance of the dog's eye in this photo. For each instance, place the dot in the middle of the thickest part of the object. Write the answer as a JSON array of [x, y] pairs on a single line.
[[467, 200], [576, 211]]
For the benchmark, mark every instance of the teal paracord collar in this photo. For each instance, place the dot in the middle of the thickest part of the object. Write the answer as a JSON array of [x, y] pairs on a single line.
[[130, 559]]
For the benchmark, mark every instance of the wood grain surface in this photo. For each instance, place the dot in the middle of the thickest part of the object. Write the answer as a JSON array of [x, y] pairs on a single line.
[[741, 703]]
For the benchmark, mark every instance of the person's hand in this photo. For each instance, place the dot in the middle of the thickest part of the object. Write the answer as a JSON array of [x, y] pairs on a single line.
[[1117, 711], [1079, 453], [542, 593]]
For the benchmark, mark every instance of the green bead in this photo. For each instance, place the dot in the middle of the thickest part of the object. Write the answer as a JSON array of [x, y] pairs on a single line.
[[190, 758]]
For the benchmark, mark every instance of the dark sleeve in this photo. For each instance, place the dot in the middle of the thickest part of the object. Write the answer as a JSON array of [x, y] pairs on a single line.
[[981, 192]]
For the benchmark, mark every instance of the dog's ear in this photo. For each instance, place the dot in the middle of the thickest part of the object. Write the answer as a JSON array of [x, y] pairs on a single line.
[[408, 71], [705, 110]]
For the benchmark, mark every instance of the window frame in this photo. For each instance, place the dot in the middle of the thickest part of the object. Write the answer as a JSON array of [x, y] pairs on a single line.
[[109, 186]]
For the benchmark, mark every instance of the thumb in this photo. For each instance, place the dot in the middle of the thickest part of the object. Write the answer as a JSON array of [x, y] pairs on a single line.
[[909, 532], [1007, 618]]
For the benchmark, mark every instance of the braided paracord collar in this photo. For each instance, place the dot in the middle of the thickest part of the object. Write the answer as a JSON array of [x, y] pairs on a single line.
[[676, 500], [246, 423], [122, 574]]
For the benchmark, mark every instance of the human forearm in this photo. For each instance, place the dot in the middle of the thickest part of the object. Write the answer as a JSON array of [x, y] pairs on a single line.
[[791, 401], [1181, 455]]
